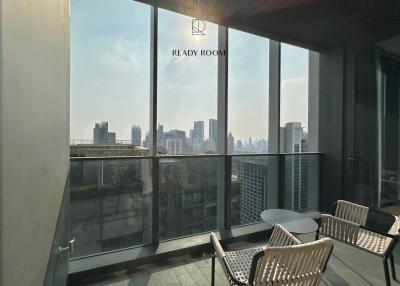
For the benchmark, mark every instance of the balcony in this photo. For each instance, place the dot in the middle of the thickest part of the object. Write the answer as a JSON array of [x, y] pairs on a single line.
[[118, 216], [171, 146], [347, 267]]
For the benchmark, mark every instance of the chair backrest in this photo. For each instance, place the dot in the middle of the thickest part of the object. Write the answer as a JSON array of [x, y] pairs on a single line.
[[351, 212], [382, 221], [281, 237], [299, 265]]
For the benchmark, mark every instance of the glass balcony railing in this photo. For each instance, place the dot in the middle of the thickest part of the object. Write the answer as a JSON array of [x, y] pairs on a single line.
[[111, 204], [301, 182], [254, 187], [189, 189], [115, 206]]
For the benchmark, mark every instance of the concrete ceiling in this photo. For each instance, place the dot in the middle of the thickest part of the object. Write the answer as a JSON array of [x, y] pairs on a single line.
[[314, 24]]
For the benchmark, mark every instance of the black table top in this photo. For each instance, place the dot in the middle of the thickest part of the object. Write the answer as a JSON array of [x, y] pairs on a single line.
[[293, 221]]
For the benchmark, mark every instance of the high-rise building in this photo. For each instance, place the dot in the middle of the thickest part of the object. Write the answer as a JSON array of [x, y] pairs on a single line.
[[160, 136], [136, 135], [146, 141], [101, 134], [239, 145], [291, 138], [212, 130], [252, 175], [294, 140], [198, 132], [261, 145], [174, 147], [231, 143], [191, 134]]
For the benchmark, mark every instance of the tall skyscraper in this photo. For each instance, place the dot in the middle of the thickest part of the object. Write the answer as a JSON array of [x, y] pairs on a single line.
[[101, 134], [160, 136], [252, 175], [294, 140], [191, 135], [212, 130], [291, 138], [231, 143], [198, 132], [136, 135]]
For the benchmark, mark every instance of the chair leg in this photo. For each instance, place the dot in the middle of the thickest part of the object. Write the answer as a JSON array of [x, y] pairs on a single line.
[[212, 269], [392, 268], [317, 235], [385, 268]]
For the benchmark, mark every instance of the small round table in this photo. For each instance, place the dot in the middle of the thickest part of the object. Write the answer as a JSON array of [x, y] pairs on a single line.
[[293, 221]]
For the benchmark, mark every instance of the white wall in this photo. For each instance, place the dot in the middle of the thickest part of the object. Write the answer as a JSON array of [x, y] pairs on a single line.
[[34, 131]]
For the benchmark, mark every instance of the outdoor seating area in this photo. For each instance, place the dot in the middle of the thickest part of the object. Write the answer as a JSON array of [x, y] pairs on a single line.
[[335, 252], [284, 261], [349, 225], [348, 266]]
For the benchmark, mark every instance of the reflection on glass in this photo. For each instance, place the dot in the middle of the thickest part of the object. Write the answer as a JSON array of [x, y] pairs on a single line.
[[248, 93], [253, 188], [301, 182], [187, 86], [110, 77], [294, 99], [188, 195], [111, 203], [389, 191]]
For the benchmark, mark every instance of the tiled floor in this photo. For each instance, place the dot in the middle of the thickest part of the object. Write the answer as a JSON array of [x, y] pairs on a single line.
[[347, 267]]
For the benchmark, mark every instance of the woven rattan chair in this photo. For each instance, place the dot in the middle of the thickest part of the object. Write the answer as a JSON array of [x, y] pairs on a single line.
[[285, 261], [348, 225]]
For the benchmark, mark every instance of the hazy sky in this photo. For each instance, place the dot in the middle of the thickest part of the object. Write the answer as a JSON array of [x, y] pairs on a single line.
[[110, 73]]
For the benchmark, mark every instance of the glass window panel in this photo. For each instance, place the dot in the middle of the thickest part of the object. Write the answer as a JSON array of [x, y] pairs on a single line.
[[294, 99], [254, 187], [188, 195], [248, 87], [302, 182], [110, 204], [187, 86], [110, 77]]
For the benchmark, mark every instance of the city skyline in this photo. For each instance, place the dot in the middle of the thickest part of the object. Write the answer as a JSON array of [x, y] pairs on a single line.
[[175, 141], [110, 78]]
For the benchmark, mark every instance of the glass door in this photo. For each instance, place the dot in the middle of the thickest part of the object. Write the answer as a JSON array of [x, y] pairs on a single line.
[[389, 133]]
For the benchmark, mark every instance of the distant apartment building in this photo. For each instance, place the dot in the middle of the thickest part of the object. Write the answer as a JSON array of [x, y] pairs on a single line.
[[136, 135], [101, 134]]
